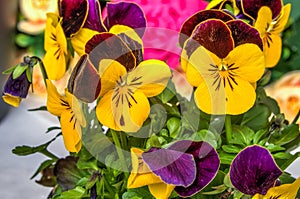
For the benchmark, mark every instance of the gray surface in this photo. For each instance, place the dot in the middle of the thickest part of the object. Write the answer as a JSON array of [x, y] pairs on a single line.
[[21, 127]]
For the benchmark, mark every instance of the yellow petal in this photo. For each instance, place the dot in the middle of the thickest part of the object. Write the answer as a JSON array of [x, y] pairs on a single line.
[[250, 62], [119, 29], [110, 72], [285, 191], [56, 103], [79, 40], [224, 100], [138, 112], [264, 19], [283, 19], [272, 52], [161, 190], [71, 131], [50, 30], [150, 77], [105, 113], [76, 108], [61, 38], [55, 63], [140, 175], [193, 76], [11, 100], [184, 58]]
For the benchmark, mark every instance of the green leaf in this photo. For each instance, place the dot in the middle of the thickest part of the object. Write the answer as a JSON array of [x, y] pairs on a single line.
[[226, 158], [9, 70], [242, 135], [207, 136], [42, 108], [76, 193], [275, 148], [173, 125], [43, 166], [87, 164], [259, 134], [138, 193], [282, 155], [19, 70], [286, 135], [168, 93], [29, 73], [227, 181], [257, 117], [24, 40], [231, 149], [216, 186]]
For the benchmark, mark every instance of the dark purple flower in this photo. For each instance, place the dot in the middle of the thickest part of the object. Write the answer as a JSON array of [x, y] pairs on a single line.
[[94, 18], [16, 89], [173, 165], [251, 7], [254, 171], [73, 14]]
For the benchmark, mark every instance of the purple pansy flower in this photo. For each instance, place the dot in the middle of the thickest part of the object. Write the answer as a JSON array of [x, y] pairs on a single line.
[[188, 165], [254, 171]]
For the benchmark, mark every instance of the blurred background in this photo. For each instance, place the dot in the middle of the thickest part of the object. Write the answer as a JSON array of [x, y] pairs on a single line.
[[22, 32]]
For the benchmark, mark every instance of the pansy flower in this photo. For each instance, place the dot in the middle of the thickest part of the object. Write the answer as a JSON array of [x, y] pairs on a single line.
[[15, 89], [125, 14], [223, 60], [56, 57], [185, 166], [71, 116], [282, 191], [254, 171], [124, 104], [270, 30]]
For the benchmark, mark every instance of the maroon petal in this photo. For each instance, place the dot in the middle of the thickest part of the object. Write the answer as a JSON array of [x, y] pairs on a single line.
[[73, 13], [94, 19], [207, 164], [243, 33], [254, 170], [190, 24], [251, 7], [214, 35], [109, 46], [173, 167], [125, 13], [84, 82]]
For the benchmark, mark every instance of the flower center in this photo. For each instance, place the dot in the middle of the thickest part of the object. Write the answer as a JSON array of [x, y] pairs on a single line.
[[223, 74]]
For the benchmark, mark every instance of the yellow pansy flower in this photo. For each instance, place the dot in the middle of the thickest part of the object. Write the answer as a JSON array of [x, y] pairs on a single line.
[[71, 116], [124, 104], [141, 176], [55, 59], [270, 31], [285, 191]]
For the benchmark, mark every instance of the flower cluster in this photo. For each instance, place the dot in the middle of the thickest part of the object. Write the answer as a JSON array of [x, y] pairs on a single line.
[[131, 134]]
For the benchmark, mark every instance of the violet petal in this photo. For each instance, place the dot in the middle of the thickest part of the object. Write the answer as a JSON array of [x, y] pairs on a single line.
[[190, 24], [251, 7], [243, 33], [109, 46], [73, 13], [17, 87], [207, 164], [125, 13], [254, 170], [214, 35], [173, 167], [84, 82], [94, 19]]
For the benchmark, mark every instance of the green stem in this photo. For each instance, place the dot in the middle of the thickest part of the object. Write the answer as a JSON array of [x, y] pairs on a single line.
[[296, 118], [42, 67], [228, 129], [124, 141], [119, 149], [49, 154]]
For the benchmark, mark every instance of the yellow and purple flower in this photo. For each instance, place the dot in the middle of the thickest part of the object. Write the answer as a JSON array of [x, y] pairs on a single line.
[[185, 166], [254, 171], [223, 58], [71, 116]]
